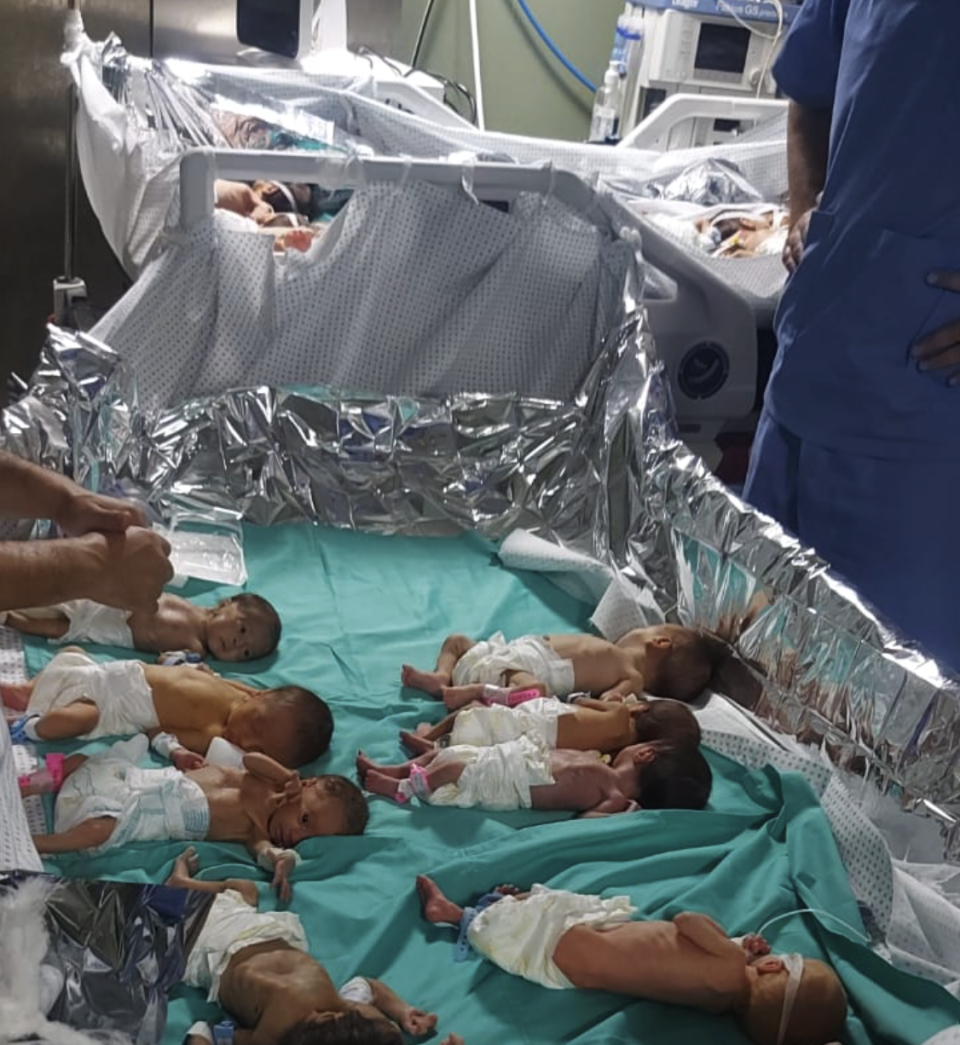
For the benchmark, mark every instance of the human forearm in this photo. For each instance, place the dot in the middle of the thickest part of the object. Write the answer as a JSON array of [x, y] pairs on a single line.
[[808, 147], [30, 492], [388, 1001], [43, 573]]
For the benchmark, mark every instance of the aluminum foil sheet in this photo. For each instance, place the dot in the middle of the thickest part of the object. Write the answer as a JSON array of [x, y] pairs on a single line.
[[116, 950], [603, 475]]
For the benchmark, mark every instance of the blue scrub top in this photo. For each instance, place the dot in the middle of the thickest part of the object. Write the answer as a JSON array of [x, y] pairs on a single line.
[[890, 72]]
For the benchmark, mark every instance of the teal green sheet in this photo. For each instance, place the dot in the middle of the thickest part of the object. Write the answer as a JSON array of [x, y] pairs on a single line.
[[354, 608]]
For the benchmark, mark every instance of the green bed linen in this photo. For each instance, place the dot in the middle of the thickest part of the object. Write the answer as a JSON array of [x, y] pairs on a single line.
[[354, 608]]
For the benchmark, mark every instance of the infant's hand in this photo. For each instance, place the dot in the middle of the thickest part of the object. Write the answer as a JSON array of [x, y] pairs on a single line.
[[292, 788], [416, 1021], [186, 760], [452, 1039], [281, 870], [613, 696], [755, 945]]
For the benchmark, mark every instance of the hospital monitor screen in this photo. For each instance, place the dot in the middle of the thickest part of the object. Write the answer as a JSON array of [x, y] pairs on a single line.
[[722, 48]]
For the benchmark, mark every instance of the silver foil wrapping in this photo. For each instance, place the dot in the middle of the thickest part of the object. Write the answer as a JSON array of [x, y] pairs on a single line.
[[603, 474], [116, 949]]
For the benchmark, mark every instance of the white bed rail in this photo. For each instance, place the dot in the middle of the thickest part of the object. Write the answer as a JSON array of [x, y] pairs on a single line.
[[199, 168], [654, 131]]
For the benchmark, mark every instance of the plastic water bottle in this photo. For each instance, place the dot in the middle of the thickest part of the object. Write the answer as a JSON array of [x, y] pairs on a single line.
[[605, 120], [633, 34]]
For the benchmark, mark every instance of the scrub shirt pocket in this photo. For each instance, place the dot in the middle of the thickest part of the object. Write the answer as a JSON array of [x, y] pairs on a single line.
[[809, 293], [864, 304], [891, 305]]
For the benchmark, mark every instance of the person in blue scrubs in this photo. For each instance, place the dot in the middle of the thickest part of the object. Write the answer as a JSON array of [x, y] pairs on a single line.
[[858, 446]]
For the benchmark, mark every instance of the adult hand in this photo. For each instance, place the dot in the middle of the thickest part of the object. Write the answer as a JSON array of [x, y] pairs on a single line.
[[84, 512], [941, 350], [131, 568], [796, 239], [417, 1022]]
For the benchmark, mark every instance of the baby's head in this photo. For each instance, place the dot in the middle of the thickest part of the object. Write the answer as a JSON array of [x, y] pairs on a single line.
[[290, 724], [665, 720], [243, 627], [669, 776], [357, 1025], [774, 1015], [326, 805], [679, 662]]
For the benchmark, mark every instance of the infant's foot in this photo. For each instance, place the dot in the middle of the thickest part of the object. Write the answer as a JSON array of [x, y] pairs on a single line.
[[434, 906], [457, 697], [378, 783], [366, 765], [16, 695], [426, 681], [185, 867], [416, 742]]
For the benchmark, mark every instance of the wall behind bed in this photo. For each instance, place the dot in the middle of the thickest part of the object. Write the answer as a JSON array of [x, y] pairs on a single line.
[[525, 89]]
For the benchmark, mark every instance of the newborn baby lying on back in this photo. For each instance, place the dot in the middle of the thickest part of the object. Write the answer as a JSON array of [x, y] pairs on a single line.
[[243, 627]]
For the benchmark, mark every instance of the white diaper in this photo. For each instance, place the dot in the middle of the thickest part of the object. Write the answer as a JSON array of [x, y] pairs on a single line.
[[118, 688], [483, 727], [149, 805], [497, 777], [487, 662], [93, 622], [231, 925], [521, 935], [88, 621]]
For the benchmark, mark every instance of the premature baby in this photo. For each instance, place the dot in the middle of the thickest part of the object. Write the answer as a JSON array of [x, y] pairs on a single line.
[[561, 940], [244, 627], [106, 800], [257, 967], [525, 773], [666, 661], [582, 725], [181, 707]]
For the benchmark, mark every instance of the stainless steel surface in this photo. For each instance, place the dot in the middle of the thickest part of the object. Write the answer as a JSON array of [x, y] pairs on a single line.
[[32, 175], [208, 30], [375, 24], [187, 29]]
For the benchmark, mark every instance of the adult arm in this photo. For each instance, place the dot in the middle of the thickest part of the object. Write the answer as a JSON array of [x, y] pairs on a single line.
[[30, 492], [808, 147], [126, 570]]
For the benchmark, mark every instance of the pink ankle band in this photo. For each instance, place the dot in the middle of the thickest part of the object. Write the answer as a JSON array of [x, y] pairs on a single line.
[[55, 767], [522, 696]]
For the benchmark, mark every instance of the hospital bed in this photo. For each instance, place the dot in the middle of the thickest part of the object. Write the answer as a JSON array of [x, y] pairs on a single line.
[[704, 315]]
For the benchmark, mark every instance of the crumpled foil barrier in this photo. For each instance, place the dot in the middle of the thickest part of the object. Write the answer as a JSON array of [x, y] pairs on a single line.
[[603, 475], [119, 949]]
